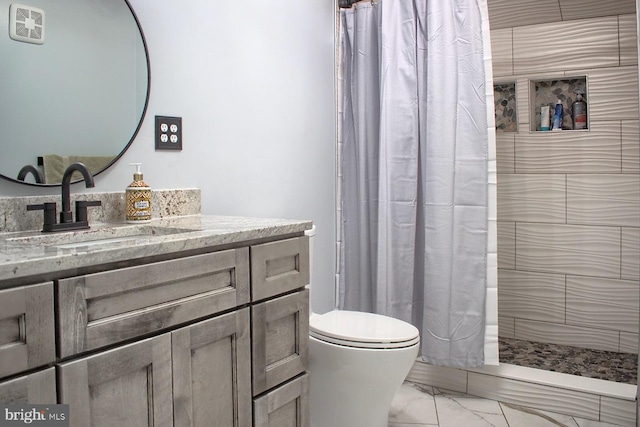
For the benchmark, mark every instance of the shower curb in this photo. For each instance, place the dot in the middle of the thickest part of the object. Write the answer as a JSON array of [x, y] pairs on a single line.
[[587, 398]]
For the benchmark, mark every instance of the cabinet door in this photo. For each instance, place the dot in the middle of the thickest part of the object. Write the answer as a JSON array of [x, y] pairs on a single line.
[[27, 337], [211, 372], [126, 386], [286, 406], [100, 309], [279, 267], [280, 340], [38, 387]]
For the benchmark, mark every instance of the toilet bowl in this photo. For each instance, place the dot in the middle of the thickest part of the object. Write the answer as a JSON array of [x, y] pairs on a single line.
[[357, 362]]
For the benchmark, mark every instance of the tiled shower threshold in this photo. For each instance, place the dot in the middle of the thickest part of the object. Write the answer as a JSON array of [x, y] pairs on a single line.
[[604, 365], [589, 398]]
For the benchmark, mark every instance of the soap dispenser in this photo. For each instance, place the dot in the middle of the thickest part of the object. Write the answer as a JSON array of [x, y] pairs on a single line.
[[579, 112], [138, 195]]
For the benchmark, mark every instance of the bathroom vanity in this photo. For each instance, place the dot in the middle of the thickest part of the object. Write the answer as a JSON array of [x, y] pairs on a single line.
[[186, 321]]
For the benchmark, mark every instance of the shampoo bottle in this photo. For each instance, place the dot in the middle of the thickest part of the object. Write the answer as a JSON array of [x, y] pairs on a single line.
[[579, 109], [557, 116], [544, 118], [138, 195]]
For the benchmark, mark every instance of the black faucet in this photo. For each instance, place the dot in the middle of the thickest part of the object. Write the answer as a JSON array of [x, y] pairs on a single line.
[[34, 171], [66, 216]]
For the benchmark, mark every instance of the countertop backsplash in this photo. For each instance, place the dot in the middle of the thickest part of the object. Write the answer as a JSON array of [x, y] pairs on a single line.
[[164, 203]]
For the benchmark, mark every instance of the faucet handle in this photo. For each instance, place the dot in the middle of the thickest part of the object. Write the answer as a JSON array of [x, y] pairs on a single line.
[[49, 212], [81, 209]]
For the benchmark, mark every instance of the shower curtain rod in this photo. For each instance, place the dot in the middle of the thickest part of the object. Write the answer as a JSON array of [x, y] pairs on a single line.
[[346, 4]]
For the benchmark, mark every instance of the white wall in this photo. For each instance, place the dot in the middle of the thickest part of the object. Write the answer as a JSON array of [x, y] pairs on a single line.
[[254, 84]]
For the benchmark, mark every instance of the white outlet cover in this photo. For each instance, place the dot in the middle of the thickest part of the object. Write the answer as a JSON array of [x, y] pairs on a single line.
[[26, 23]]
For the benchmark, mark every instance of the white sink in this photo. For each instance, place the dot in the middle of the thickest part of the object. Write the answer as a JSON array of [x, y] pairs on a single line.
[[96, 236]]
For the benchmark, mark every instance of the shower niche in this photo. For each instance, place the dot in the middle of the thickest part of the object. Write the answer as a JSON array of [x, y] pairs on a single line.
[[548, 91], [504, 95]]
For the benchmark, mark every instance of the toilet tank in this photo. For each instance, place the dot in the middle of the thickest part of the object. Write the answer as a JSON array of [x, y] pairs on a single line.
[[312, 237]]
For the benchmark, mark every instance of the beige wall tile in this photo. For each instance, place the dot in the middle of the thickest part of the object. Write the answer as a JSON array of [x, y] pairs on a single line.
[[502, 53], [578, 336], [611, 146], [568, 249], [612, 93], [617, 411], [603, 199], [628, 38], [603, 303], [534, 296], [595, 151], [630, 147], [586, 43], [579, 9], [506, 246], [505, 152], [506, 326], [628, 342], [539, 396], [514, 13], [439, 376], [522, 98], [630, 253], [532, 198]]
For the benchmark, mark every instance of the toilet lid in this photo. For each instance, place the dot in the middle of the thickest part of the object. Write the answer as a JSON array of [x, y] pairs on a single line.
[[363, 330]]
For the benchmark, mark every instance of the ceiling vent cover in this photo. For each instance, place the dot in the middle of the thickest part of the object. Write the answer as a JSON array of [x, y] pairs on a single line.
[[26, 24]]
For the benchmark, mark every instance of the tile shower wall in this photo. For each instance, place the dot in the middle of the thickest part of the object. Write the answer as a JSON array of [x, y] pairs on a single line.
[[569, 202]]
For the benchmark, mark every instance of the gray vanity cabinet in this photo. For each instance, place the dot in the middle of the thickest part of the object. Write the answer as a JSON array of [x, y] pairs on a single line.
[[286, 406], [279, 267], [213, 336], [197, 375], [105, 308], [280, 340], [27, 337], [37, 387], [280, 333], [125, 386], [211, 372]]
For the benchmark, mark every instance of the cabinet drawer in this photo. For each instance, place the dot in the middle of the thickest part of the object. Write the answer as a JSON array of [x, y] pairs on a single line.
[[279, 267], [36, 388], [105, 308], [280, 340], [27, 337], [286, 406]]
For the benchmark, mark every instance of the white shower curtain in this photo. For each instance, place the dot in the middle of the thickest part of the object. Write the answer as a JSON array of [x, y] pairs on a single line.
[[414, 184]]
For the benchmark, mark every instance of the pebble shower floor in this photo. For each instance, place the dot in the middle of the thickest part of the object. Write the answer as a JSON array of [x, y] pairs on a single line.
[[605, 365]]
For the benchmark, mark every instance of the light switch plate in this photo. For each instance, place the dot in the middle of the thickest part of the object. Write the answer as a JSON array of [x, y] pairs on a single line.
[[168, 133]]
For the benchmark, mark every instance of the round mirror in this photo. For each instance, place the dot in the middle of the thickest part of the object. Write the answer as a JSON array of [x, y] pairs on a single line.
[[75, 79]]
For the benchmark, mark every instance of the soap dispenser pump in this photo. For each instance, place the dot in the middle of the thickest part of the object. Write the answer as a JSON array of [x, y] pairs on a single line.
[[138, 195]]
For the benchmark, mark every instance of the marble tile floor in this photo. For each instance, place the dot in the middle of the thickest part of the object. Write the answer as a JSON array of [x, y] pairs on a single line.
[[417, 405]]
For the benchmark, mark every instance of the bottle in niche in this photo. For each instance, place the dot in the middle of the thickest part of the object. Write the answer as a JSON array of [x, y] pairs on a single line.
[[557, 116], [579, 112], [138, 195]]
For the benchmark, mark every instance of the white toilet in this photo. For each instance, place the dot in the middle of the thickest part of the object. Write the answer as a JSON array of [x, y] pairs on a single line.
[[357, 362]]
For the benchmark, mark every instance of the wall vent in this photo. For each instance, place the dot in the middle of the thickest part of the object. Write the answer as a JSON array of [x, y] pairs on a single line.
[[26, 24]]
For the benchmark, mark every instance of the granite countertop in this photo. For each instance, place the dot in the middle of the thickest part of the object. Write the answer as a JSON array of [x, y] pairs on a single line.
[[25, 254]]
